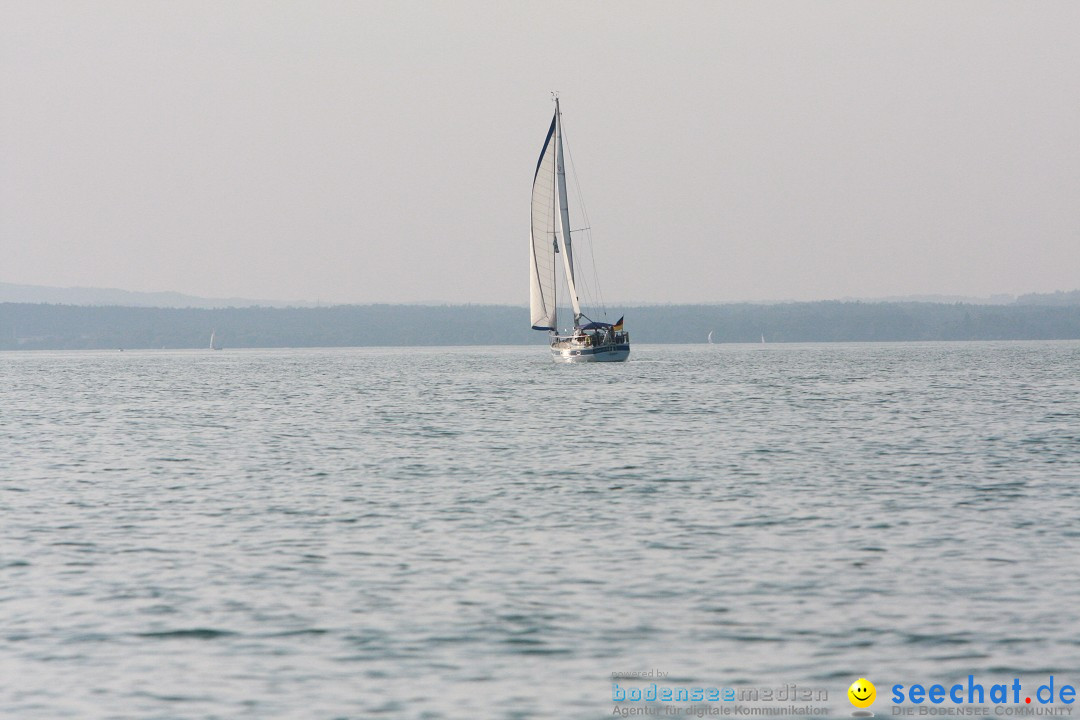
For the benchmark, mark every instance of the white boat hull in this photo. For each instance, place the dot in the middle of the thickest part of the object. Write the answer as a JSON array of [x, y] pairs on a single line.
[[602, 353]]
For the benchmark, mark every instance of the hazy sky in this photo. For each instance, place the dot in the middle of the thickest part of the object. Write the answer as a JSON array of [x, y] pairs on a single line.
[[384, 151]]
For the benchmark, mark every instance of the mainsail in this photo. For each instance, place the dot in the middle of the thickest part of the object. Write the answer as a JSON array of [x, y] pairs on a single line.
[[542, 242], [550, 234], [564, 217]]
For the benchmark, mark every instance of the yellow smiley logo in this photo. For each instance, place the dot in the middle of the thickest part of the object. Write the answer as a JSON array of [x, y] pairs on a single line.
[[862, 693]]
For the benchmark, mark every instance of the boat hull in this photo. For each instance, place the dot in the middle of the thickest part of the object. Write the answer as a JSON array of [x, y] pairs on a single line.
[[603, 353]]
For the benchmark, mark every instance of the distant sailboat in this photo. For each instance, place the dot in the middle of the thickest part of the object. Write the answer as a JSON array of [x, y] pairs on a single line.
[[762, 338], [549, 237], [214, 345], [710, 337]]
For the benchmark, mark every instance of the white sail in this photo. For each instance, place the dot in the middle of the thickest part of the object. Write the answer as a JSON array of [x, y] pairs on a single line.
[[564, 217], [542, 242]]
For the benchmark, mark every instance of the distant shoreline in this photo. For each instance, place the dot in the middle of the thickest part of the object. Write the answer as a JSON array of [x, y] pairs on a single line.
[[35, 326]]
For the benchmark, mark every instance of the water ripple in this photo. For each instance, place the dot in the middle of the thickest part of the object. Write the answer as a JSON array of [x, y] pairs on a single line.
[[456, 533]]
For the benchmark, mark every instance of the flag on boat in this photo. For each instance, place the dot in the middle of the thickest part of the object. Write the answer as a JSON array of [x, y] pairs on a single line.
[[618, 325]]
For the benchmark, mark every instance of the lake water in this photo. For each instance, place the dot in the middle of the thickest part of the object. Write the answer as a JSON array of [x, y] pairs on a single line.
[[481, 533]]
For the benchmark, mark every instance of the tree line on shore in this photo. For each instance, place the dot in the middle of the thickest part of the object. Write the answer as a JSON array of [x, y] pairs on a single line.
[[29, 326]]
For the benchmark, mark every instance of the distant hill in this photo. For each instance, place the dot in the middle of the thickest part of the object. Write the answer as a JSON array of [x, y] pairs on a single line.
[[1059, 298], [42, 326], [10, 292], [946, 299], [14, 293]]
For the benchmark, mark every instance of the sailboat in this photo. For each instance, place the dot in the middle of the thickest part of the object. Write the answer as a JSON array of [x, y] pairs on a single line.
[[549, 237], [214, 345]]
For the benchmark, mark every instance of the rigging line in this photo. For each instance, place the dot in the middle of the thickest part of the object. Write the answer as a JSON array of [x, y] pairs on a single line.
[[588, 225]]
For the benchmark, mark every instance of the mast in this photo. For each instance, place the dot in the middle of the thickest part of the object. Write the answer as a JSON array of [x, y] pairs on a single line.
[[554, 241], [564, 217]]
